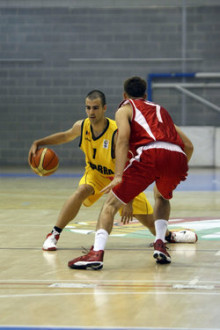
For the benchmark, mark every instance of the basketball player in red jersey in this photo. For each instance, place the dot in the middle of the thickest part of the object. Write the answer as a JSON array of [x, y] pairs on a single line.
[[161, 152]]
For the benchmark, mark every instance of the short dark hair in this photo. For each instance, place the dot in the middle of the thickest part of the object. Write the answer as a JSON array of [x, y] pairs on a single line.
[[97, 94], [135, 87]]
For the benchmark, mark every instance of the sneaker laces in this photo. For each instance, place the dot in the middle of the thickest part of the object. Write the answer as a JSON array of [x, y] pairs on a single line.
[[165, 246], [152, 245], [85, 250], [54, 238]]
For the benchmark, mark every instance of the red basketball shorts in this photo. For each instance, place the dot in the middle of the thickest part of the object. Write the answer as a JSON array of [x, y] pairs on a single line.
[[164, 167]]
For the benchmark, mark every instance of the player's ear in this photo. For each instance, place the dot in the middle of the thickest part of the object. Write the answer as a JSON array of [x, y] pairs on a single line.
[[105, 107], [125, 96]]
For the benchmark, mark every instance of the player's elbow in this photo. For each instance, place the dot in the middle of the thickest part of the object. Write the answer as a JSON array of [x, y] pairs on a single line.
[[188, 148]]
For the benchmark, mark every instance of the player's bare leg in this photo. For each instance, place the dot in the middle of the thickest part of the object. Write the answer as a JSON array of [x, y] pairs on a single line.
[[161, 215], [162, 212], [69, 211], [147, 220], [73, 204], [106, 216], [161, 206]]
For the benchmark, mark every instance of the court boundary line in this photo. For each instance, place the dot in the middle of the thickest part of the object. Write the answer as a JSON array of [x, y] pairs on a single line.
[[112, 293], [109, 281]]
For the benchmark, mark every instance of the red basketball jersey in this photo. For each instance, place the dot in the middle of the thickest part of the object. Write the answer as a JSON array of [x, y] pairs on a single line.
[[150, 123]]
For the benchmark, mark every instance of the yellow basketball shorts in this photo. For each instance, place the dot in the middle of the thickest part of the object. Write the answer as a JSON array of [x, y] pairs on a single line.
[[141, 205]]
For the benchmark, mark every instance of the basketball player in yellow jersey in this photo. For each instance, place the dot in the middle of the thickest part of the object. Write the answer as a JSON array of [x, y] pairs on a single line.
[[99, 156], [97, 140]]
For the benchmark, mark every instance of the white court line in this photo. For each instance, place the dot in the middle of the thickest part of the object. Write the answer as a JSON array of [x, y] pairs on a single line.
[[193, 284], [106, 293], [194, 287], [73, 285], [194, 281], [217, 253]]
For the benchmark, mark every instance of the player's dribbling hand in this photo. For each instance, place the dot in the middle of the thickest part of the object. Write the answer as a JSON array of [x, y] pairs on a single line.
[[32, 151], [112, 184], [127, 213]]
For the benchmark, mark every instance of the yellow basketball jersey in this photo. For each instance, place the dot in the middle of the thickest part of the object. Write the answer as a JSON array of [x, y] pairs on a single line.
[[99, 153]]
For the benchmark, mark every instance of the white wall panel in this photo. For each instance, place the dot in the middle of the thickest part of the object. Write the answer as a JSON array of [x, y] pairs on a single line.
[[217, 147], [203, 139]]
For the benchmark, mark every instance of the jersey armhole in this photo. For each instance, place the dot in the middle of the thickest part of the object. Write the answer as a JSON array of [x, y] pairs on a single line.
[[133, 109], [82, 125], [113, 146]]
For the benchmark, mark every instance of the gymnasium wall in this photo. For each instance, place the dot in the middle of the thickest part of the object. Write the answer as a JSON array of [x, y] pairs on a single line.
[[206, 141], [52, 53]]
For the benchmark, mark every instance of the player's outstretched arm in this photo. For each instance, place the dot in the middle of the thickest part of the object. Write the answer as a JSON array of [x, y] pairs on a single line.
[[122, 145], [111, 185], [56, 138]]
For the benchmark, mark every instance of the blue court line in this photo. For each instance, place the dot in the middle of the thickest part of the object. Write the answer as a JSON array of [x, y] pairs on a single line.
[[35, 176], [194, 182]]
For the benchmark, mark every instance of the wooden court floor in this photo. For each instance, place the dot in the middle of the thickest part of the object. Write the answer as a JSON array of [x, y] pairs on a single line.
[[39, 291]]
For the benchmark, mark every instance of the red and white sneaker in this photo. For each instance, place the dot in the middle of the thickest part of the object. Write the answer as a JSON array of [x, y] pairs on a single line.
[[93, 259], [160, 252], [183, 236], [50, 242]]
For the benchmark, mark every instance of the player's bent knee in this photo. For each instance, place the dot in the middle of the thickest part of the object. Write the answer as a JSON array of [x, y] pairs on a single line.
[[157, 194], [112, 204], [84, 191]]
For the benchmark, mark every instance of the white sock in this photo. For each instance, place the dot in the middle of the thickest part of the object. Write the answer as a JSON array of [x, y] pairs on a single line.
[[161, 228], [101, 237]]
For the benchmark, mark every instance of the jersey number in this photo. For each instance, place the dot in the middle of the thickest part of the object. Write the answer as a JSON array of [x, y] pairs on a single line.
[[94, 153]]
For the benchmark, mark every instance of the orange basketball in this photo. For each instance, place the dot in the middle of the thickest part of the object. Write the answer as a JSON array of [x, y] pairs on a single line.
[[45, 162]]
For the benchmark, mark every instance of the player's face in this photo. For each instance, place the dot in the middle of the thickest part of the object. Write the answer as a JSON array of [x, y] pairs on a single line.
[[95, 110]]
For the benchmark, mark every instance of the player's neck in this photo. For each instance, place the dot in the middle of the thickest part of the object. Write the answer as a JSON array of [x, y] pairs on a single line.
[[99, 127]]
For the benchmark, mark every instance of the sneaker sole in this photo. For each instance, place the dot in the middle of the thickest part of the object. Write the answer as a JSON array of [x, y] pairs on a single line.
[[161, 258], [50, 249], [94, 266]]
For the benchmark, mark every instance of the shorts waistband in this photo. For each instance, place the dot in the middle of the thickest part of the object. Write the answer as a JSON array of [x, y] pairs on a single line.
[[162, 145]]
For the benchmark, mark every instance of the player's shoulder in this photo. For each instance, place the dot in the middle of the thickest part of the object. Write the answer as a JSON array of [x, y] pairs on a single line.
[[112, 123], [124, 112], [77, 126], [83, 123], [78, 122]]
